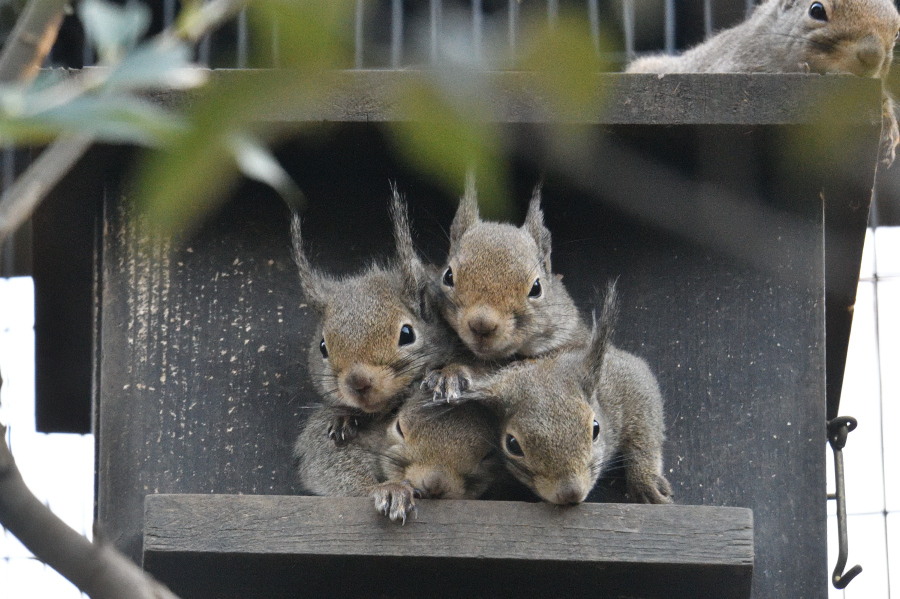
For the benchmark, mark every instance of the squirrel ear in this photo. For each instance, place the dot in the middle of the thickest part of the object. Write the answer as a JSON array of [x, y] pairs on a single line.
[[315, 286], [534, 224], [467, 213], [414, 276], [601, 334]]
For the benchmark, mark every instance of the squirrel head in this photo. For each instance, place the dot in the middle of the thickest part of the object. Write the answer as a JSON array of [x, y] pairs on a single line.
[[376, 333], [553, 433], [444, 452], [843, 36], [497, 290]]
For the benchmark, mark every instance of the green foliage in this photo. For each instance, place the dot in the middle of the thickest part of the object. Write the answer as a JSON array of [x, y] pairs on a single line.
[[449, 126]]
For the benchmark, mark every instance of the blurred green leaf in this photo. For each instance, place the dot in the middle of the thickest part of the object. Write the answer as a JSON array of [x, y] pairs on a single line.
[[565, 63], [161, 64], [447, 134], [256, 162], [113, 29], [119, 119], [190, 177]]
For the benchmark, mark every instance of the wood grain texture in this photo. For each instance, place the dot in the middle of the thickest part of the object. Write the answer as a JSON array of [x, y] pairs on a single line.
[[623, 99], [474, 548], [671, 534]]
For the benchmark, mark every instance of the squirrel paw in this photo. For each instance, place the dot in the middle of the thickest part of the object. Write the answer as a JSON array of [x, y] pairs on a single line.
[[657, 490], [396, 500], [343, 428], [448, 383]]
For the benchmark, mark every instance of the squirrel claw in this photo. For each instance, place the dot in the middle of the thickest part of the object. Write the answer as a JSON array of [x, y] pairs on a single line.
[[396, 500], [657, 491], [343, 429], [448, 384]]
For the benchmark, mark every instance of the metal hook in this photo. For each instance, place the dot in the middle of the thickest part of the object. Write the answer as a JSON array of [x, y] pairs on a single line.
[[838, 429]]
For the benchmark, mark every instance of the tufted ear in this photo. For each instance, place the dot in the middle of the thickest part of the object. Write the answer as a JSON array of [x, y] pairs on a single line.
[[534, 225], [411, 267], [601, 334], [315, 286], [467, 213]]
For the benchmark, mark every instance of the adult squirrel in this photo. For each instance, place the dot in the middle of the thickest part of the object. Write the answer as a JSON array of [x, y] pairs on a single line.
[[800, 36], [567, 414], [377, 334], [422, 451], [498, 292]]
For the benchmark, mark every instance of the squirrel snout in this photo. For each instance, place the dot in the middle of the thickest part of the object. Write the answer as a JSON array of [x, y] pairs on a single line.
[[870, 54], [482, 325], [359, 382], [569, 493]]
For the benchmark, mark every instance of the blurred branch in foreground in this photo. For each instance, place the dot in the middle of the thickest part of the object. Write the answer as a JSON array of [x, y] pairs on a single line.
[[95, 568]]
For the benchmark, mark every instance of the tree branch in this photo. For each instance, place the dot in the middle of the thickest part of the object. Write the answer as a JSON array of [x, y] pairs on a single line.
[[96, 569], [31, 40]]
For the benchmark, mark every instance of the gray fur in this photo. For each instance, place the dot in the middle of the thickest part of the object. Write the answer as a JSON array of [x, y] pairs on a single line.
[[442, 453], [549, 406], [361, 321]]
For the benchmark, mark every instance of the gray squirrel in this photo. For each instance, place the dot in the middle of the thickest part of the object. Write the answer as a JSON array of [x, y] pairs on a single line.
[[377, 334], [800, 36], [422, 451], [566, 415], [498, 292]]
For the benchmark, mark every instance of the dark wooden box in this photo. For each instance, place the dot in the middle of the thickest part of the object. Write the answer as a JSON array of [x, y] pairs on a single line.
[[711, 198]]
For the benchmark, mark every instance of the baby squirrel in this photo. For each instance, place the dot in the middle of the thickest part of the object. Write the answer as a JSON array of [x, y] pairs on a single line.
[[499, 294], [566, 415], [376, 334], [800, 36], [422, 451]]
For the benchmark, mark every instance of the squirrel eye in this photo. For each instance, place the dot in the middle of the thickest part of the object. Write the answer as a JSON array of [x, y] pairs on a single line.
[[399, 430], [323, 349], [897, 37], [535, 289], [596, 430], [407, 335], [513, 447], [817, 11], [448, 277]]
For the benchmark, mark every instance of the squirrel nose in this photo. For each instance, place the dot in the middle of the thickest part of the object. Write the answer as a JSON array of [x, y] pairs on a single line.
[[435, 485], [569, 493], [359, 382], [482, 326], [870, 53]]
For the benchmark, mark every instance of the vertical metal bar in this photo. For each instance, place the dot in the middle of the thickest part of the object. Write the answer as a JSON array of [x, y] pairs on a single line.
[[750, 5], [87, 53], [594, 18], [707, 18], [670, 26], [396, 33], [628, 26], [168, 12], [358, 35], [513, 22], [9, 249], [435, 29], [276, 57], [477, 18], [552, 12], [242, 39], [204, 49]]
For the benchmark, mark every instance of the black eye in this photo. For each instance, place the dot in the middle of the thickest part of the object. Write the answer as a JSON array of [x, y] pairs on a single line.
[[817, 11], [512, 446], [897, 37], [448, 277], [407, 335], [535, 289], [596, 430], [323, 349], [399, 430]]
